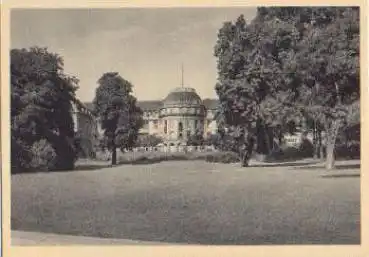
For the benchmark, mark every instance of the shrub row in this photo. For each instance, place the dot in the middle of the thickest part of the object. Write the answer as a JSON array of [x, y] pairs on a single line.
[[282, 154], [155, 157]]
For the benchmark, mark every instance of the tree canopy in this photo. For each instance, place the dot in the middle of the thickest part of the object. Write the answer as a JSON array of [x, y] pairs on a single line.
[[288, 64], [118, 112]]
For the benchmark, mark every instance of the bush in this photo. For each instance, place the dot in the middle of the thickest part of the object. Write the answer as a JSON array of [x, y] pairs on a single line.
[[43, 156], [148, 140], [156, 157], [222, 157], [290, 153], [351, 150], [21, 155]]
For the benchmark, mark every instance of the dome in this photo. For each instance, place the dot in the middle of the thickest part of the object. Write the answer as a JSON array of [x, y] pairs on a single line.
[[183, 96]]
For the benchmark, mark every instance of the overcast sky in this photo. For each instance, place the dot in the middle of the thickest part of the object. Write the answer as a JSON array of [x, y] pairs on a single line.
[[146, 46]]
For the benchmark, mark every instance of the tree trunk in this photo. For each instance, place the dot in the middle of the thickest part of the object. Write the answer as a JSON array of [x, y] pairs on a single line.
[[245, 160], [113, 152], [114, 156], [280, 139], [320, 145], [330, 156], [246, 155], [267, 139], [315, 142], [321, 152], [331, 135]]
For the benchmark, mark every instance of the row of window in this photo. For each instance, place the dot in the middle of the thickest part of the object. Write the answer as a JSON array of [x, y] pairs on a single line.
[[180, 125], [181, 110]]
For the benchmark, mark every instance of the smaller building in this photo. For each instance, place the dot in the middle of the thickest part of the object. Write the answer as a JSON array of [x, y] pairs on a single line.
[[86, 129]]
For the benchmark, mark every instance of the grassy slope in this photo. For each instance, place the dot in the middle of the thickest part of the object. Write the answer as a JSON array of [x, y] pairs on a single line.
[[193, 202]]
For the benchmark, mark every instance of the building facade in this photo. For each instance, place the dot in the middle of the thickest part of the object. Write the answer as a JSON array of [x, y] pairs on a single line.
[[179, 116]]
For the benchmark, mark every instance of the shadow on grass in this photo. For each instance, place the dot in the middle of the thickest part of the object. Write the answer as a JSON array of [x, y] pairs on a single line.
[[141, 162], [86, 167], [81, 167], [341, 176], [91, 167], [338, 167], [287, 164]]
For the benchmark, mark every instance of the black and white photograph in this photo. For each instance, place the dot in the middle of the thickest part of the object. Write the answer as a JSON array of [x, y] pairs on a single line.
[[206, 126]]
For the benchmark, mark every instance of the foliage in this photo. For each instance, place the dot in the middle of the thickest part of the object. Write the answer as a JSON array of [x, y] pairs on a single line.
[[212, 139], [148, 140], [155, 157], [349, 150], [86, 147], [249, 57], [196, 139], [118, 113], [328, 60], [41, 105], [290, 65], [291, 153], [43, 156], [222, 157]]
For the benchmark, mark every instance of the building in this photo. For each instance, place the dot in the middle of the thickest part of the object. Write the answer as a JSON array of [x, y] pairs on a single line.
[[181, 114], [174, 119], [86, 128]]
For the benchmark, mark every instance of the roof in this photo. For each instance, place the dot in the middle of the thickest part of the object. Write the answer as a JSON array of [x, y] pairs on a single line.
[[150, 105], [182, 96]]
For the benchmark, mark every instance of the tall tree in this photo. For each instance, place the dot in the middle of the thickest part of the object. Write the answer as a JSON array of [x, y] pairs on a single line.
[[250, 85], [118, 113], [328, 61], [41, 107]]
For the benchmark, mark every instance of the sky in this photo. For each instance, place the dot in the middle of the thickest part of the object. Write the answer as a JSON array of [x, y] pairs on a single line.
[[146, 46]]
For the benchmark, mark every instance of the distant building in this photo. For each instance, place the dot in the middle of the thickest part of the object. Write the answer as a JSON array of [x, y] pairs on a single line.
[[181, 114]]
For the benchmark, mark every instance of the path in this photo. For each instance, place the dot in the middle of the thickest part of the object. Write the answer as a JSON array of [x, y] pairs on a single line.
[[36, 238]]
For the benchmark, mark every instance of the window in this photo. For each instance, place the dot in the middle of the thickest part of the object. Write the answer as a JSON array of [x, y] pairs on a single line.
[[180, 130], [196, 124], [188, 133], [155, 124], [165, 127]]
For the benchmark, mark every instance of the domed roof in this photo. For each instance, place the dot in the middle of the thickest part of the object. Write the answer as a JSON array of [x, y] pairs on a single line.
[[182, 96]]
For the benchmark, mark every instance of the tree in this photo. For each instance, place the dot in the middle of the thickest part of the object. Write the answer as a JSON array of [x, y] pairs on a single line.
[[41, 108], [250, 92], [119, 115], [288, 64], [328, 61]]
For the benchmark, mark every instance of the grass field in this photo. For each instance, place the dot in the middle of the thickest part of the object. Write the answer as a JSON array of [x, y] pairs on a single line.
[[194, 202]]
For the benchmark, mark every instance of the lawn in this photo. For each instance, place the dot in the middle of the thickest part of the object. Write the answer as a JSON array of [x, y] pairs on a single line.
[[193, 202]]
